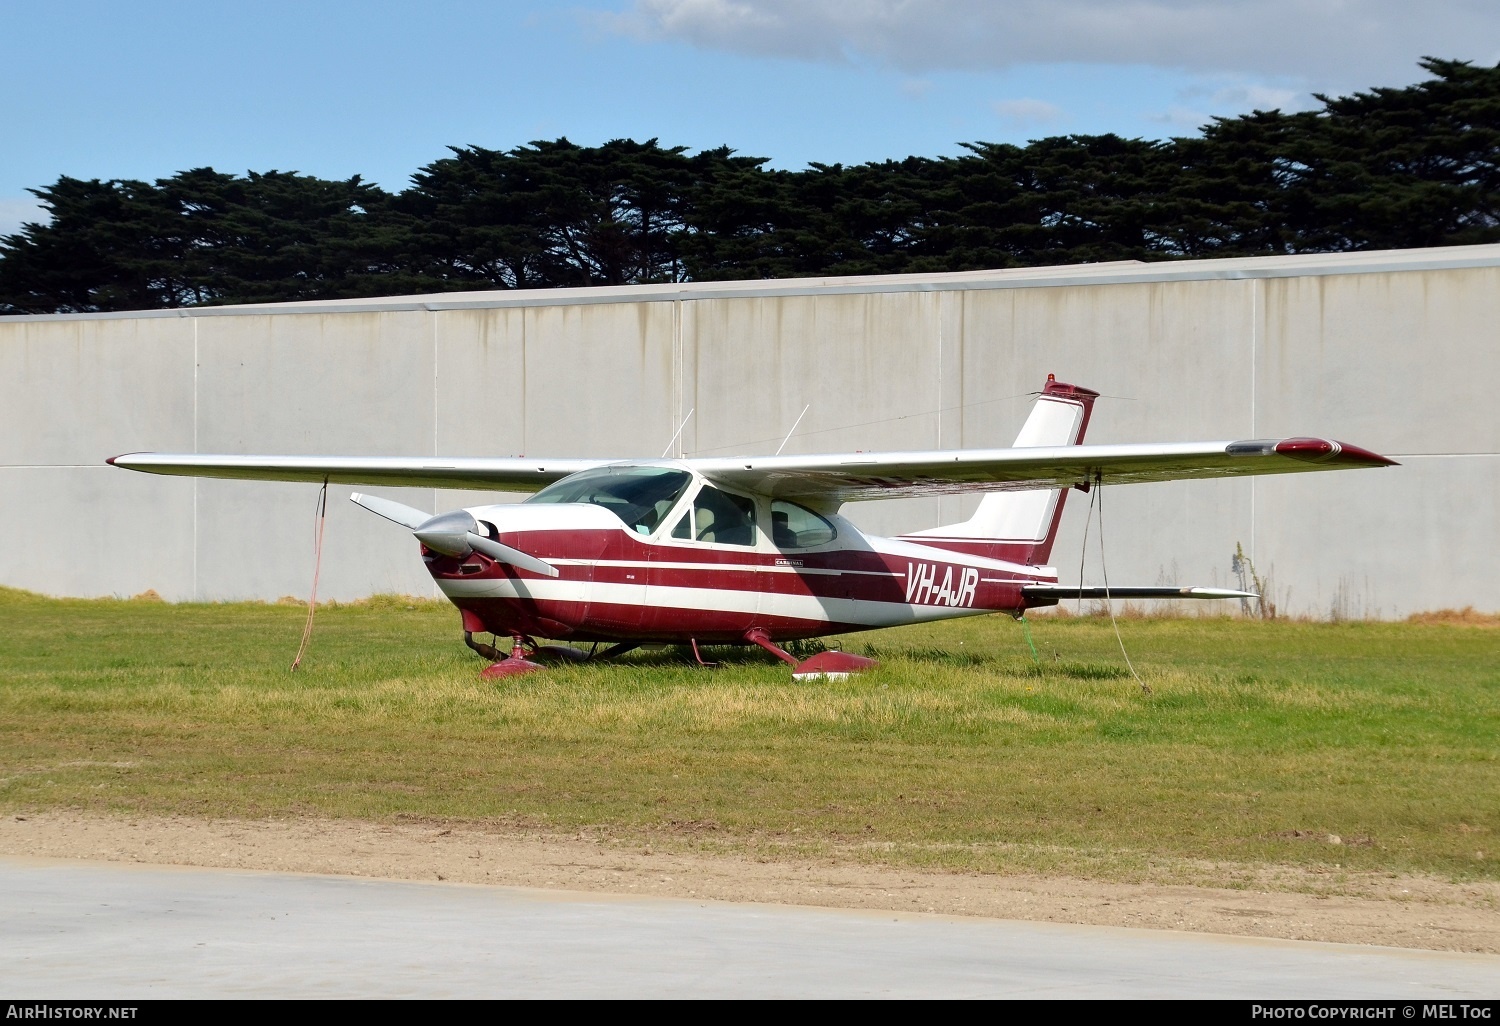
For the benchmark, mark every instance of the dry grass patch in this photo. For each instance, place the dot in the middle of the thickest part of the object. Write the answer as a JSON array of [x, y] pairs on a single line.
[[1465, 617]]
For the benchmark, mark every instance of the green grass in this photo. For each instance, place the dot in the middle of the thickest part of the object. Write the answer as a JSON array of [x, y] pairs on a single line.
[[1257, 741]]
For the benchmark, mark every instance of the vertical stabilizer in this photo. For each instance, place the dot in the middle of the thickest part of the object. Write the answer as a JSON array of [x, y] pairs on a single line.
[[1021, 526]]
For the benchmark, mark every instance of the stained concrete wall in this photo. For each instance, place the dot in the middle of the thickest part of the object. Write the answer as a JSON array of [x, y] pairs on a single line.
[[1393, 351]]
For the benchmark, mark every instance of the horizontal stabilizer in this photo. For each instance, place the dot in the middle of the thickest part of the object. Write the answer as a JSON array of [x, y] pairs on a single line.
[[1072, 591]]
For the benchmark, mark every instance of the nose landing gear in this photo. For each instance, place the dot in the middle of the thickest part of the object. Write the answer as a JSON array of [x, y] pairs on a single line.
[[512, 666], [489, 652], [526, 655]]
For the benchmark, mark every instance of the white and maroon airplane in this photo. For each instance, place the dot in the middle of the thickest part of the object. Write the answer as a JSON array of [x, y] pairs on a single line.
[[752, 549]]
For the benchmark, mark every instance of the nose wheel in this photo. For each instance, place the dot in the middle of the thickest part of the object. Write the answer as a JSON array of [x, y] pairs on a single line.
[[526, 655], [513, 665]]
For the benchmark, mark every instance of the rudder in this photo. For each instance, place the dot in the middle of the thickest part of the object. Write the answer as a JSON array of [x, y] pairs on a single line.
[[1021, 526]]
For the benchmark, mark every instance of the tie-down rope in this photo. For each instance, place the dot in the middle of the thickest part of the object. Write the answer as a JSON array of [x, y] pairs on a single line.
[[312, 600], [1096, 497]]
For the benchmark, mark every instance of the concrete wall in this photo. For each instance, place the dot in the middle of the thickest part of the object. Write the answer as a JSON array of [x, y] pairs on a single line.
[[1396, 352]]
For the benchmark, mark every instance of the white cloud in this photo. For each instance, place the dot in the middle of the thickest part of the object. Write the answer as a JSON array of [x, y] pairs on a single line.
[[1026, 113], [1216, 95], [766, 29], [916, 88], [16, 211], [1242, 95], [1339, 44], [1185, 119], [1254, 97]]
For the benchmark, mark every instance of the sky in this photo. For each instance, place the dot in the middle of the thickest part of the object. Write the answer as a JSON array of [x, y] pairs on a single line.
[[109, 90]]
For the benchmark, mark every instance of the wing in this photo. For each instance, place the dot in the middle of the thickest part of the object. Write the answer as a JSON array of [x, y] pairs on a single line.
[[826, 480], [848, 477], [512, 474]]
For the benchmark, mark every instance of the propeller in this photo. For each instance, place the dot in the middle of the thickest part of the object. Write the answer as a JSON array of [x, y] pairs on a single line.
[[453, 534]]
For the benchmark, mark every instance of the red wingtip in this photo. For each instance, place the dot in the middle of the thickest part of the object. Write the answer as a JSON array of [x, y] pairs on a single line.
[[1355, 454], [1325, 450], [111, 460]]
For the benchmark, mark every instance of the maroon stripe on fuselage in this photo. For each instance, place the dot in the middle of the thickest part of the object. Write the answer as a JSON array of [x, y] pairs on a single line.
[[850, 574], [616, 622]]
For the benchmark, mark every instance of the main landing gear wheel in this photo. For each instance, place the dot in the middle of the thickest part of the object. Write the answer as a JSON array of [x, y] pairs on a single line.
[[823, 666], [832, 666]]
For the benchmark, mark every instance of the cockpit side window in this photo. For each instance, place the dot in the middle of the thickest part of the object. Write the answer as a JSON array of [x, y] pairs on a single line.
[[797, 527], [719, 517], [639, 496]]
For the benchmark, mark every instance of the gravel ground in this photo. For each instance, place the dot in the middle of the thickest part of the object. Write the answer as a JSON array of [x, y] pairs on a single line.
[[1410, 912]]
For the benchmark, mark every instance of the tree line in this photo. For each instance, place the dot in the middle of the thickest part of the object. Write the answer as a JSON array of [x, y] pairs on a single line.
[[1385, 169]]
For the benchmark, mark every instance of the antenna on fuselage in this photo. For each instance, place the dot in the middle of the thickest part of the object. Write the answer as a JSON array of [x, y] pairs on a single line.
[[793, 431], [667, 451]]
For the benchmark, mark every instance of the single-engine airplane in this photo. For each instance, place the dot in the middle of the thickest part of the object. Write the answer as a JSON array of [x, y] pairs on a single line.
[[752, 550]]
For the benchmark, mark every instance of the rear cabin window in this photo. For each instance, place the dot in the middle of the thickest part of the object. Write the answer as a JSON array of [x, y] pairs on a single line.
[[639, 496], [797, 527]]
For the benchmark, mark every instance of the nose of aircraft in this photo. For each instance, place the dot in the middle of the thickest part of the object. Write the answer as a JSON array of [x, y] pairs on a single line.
[[453, 534], [448, 533]]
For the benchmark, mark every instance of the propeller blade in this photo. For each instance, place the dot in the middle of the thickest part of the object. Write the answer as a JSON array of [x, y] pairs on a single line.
[[515, 557], [453, 534], [392, 511]]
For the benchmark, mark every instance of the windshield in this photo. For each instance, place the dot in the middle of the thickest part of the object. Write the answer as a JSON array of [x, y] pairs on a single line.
[[640, 496]]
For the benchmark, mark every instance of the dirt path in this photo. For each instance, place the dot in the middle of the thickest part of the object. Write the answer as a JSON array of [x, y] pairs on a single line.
[[1398, 911]]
